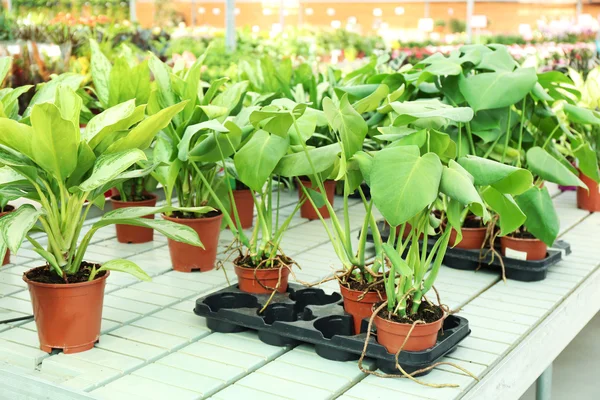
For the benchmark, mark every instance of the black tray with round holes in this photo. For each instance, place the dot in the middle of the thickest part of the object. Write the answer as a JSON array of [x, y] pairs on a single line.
[[309, 315], [518, 270]]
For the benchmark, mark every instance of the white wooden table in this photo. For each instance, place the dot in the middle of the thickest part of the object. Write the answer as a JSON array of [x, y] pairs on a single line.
[[154, 347]]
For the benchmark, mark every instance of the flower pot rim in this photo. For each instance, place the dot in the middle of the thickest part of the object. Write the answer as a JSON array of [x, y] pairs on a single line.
[[63, 285], [519, 239], [443, 317], [152, 195], [258, 270], [175, 219]]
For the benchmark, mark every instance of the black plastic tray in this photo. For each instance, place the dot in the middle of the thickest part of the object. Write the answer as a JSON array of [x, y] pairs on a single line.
[[519, 270], [311, 316]]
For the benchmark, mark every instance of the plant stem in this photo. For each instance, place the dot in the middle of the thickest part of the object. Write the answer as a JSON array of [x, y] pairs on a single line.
[[508, 132]]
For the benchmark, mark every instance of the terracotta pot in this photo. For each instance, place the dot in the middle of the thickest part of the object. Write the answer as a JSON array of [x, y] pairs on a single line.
[[247, 281], [6, 259], [391, 335], [307, 210], [359, 309], [589, 201], [473, 238], [524, 249], [185, 257], [134, 234], [245, 207], [67, 316]]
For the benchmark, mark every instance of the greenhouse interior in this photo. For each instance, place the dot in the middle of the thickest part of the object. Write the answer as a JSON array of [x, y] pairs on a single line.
[[292, 199]]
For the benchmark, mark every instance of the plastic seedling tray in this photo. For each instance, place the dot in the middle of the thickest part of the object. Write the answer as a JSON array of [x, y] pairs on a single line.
[[309, 315], [519, 270]]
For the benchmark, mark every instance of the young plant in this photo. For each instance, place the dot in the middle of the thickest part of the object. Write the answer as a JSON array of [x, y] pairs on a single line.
[[61, 168]]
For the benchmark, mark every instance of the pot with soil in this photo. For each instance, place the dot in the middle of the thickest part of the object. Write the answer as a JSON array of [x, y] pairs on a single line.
[[307, 210], [523, 245], [589, 201], [130, 233], [259, 279], [5, 211], [392, 330], [359, 300], [473, 234], [67, 314], [186, 258], [244, 202]]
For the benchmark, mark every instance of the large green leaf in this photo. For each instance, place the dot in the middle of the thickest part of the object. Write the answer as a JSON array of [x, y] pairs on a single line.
[[542, 164], [349, 124], [126, 266], [431, 108], [47, 91], [16, 136], [101, 68], [542, 220], [117, 118], [581, 115], [588, 161], [257, 159], [403, 183], [218, 145], [109, 166], [497, 89], [372, 101], [458, 184], [191, 131], [505, 178], [298, 164], [17, 224], [142, 135], [54, 141], [510, 215], [178, 232]]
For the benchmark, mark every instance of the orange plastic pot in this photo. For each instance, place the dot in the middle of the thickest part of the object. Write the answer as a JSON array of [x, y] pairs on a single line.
[[589, 201], [358, 307], [6, 259], [392, 335], [307, 210], [67, 316], [187, 258], [244, 202], [524, 249], [130, 233], [472, 238], [262, 281]]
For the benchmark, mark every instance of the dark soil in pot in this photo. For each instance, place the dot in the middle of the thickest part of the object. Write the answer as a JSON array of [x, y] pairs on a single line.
[[262, 280], [523, 245], [307, 210], [393, 330], [67, 315], [4, 211], [359, 299], [130, 233], [187, 258]]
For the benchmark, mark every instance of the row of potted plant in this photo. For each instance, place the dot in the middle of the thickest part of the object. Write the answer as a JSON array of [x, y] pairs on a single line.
[[449, 145]]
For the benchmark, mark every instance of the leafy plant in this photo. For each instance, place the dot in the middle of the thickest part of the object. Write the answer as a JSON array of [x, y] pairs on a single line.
[[53, 163]]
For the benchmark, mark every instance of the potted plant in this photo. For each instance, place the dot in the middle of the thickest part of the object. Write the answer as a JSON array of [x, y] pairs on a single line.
[[190, 149], [62, 168]]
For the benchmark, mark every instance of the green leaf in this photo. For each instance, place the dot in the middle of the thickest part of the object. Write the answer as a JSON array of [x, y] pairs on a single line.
[[17, 224], [443, 67], [192, 130], [47, 91], [399, 263], [349, 124], [257, 159], [174, 231], [126, 266], [498, 60], [403, 183], [138, 212], [458, 184], [497, 89], [542, 220], [505, 178], [117, 118], [432, 108], [54, 141], [542, 164], [588, 161], [372, 101], [16, 136], [101, 68], [297, 164], [581, 115], [510, 215], [5, 64], [142, 135], [109, 166]]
